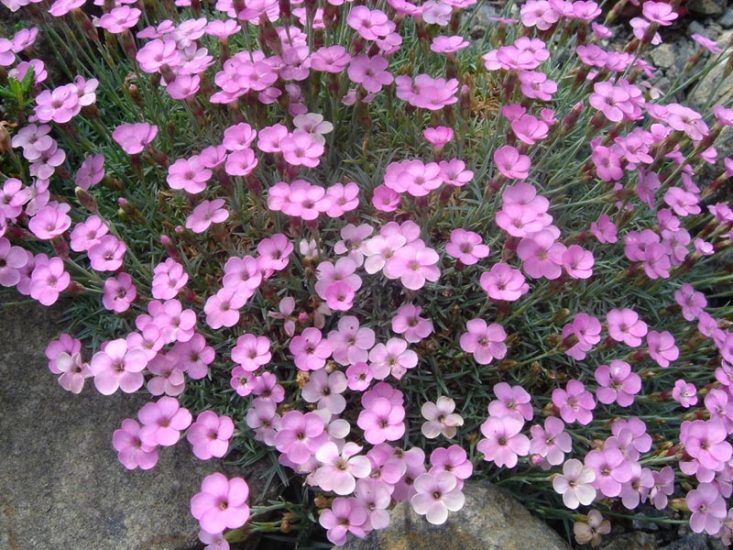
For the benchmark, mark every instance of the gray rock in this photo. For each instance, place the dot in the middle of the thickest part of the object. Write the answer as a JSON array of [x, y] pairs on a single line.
[[695, 27], [490, 520], [726, 20], [695, 542], [706, 7], [637, 540], [713, 88], [61, 486], [664, 56]]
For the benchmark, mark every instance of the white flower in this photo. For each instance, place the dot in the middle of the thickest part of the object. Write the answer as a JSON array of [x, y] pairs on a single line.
[[440, 418]]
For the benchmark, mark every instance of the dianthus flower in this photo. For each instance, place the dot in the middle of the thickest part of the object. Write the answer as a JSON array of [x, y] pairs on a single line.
[[617, 384], [12, 259], [435, 495], [587, 330], [117, 366], [168, 278], [707, 506], [575, 403], [542, 256], [408, 322], [578, 262], [659, 12], [209, 436], [485, 342], [346, 515], [575, 484], [221, 503], [685, 393], [503, 442], [48, 279], [251, 352], [340, 468], [131, 451], [50, 221], [325, 390], [381, 420], [59, 105], [624, 325], [611, 469], [662, 347], [414, 265], [91, 171], [550, 442], [426, 92], [300, 436], [691, 301], [188, 175], [118, 293], [466, 246], [205, 214], [351, 343], [133, 138], [440, 418], [222, 308], [301, 149], [370, 72], [511, 163], [310, 349]]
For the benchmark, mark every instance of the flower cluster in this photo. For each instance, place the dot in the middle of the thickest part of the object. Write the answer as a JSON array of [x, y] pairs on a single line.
[[318, 230]]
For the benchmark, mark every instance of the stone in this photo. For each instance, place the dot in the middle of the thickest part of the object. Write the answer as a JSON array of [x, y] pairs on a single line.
[[490, 520], [706, 7], [726, 20], [61, 485], [664, 56], [713, 88], [695, 541], [638, 540]]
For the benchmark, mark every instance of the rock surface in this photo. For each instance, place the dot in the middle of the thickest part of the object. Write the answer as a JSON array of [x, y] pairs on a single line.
[[713, 88], [490, 520], [706, 7], [61, 486]]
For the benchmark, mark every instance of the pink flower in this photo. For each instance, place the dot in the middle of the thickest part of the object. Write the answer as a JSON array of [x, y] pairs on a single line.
[[222, 309], [408, 322], [392, 358], [691, 301], [188, 175], [210, 434], [310, 349], [685, 393], [48, 280], [436, 495], [221, 503], [706, 442], [345, 516], [575, 484], [12, 259], [414, 265], [587, 331], [73, 371], [503, 282], [511, 163], [116, 366], [448, 44], [574, 402], [617, 383], [118, 293], [351, 343], [50, 221], [624, 325], [611, 469], [330, 59], [511, 400], [707, 506], [325, 390], [107, 254], [133, 138], [163, 421], [485, 342], [578, 262], [426, 92], [466, 246], [91, 171], [87, 233], [542, 256], [251, 352], [440, 418], [301, 149], [438, 136], [300, 436], [662, 347], [131, 451], [59, 105], [453, 459], [370, 72], [205, 214], [551, 442], [168, 278], [339, 469], [503, 442], [659, 12], [381, 420]]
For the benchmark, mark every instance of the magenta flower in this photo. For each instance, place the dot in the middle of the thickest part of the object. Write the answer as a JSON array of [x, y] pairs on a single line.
[[414, 265], [107, 254], [587, 330], [50, 221], [453, 459], [222, 309], [134, 137], [116, 366], [392, 358], [59, 105], [300, 436], [578, 262], [612, 470], [542, 256], [575, 484], [503, 443], [408, 322], [131, 451], [691, 301], [552, 442], [659, 12], [706, 442], [436, 495], [370, 72], [707, 506], [617, 383], [168, 278], [466, 246], [351, 343], [188, 175], [575, 403], [73, 371], [685, 393], [662, 347], [310, 349], [163, 421], [345, 516], [48, 279], [624, 325], [118, 293], [91, 171], [485, 342], [382, 421], [12, 259], [438, 136], [251, 352], [503, 282], [511, 400], [210, 434], [511, 163], [221, 503]]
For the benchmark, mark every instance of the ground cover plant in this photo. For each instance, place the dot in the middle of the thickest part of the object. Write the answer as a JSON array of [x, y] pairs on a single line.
[[385, 249]]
